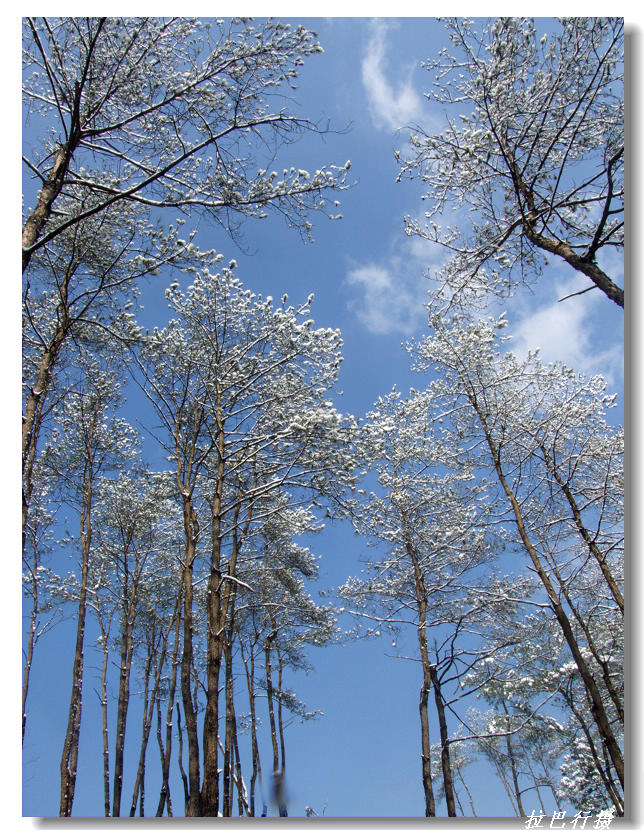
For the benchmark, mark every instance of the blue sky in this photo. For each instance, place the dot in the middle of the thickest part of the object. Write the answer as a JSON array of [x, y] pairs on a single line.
[[367, 279]]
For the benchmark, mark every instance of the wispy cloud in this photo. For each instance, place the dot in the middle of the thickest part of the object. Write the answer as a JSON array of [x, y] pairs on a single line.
[[389, 294], [392, 106], [387, 300], [580, 331]]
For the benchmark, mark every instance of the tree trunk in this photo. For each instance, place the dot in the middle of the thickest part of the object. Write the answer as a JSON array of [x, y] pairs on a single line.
[[513, 763], [184, 777], [148, 711], [191, 530], [127, 652], [467, 790], [164, 795], [445, 761], [69, 757], [194, 797], [216, 610], [229, 728], [421, 600], [608, 784], [30, 645], [105, 728], [249, 666], [47, 196]]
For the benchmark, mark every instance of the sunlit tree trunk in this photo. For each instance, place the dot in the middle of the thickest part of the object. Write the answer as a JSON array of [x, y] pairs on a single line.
[[69, 757], [513, 763], [249, 666], [154, 661], [164, 795], [582, 529], [191, 528], [104, 722], [127, 653], [421, 600], [445, 760], [216, 608]]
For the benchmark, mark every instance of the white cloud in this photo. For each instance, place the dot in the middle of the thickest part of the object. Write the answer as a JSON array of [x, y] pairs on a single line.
[[391, 108], [391, 295], [389, 300], [580, 332]]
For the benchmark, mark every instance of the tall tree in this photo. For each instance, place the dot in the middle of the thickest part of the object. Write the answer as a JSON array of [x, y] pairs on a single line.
[[533, 150], [240, 389], [161, 112], [501, 405], [424, 515], [88, 442], [129, 116]]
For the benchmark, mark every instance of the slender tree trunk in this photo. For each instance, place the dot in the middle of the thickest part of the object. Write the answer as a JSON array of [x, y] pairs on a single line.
[[280, 708], [105, 728], [445, 760], [194, 799], [421, 600], [228, 735], [271, 708], [280, 726], [29, 656], [242, 795], [249, 666], [513, 763], [184, 777], [597, 708], [467, 790], [146, 725], [216, 615], [127, 652], [149, 709], [602, 665], [599, 766], [69, 756], [164, 795]]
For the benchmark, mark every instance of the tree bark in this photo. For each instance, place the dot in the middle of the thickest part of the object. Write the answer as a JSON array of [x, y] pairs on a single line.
[[216, 610], [47, 196], [104, 723], [445, 760], [191, 528], [148, 711], [69, 757], [421, 600], [164, 794], [127, 653], [513, 764]]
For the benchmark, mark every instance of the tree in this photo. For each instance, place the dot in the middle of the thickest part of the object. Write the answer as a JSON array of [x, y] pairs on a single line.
[[130, 120], [87, 443], [239, 387], [167, 109], [538, 160], [42, 587], [502, 405], [132, 535], [425, 515]]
